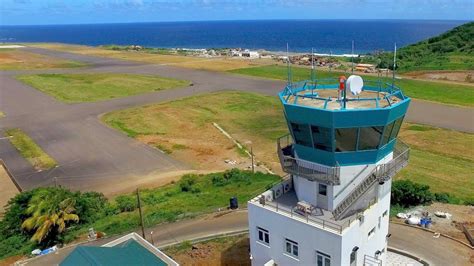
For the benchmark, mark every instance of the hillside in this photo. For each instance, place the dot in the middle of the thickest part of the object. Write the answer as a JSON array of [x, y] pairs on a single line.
[[452, 50]]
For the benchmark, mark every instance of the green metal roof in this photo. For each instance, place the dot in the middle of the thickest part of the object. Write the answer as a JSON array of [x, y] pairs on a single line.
[[127, 253]]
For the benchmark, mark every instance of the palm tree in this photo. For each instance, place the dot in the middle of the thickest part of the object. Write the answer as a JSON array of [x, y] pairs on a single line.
[[49, 210]]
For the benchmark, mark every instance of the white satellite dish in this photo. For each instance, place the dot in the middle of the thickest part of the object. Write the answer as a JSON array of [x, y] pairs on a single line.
[[355, 84]]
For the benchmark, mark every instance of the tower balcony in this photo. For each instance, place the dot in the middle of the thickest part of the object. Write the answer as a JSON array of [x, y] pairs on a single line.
[[312, 171]]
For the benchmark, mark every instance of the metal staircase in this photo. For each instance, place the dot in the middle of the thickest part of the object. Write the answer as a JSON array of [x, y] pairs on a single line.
[[381, 173]]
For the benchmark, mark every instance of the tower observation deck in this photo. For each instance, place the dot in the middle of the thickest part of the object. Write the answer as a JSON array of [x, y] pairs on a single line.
[[340, 154]]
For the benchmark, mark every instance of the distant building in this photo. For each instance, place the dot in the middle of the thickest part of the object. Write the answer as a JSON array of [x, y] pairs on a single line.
[[250, 54], [366, 68]]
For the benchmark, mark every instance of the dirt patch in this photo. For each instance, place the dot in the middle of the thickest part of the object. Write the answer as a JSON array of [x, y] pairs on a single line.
[[18, 59], [7, 188], [465, 77], [224, 251], [461, 214]]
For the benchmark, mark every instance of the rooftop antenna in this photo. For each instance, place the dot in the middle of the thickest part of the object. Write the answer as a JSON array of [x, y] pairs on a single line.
[[330, 59], [313, 76], [288, 66], [394, 65], [352, 57]]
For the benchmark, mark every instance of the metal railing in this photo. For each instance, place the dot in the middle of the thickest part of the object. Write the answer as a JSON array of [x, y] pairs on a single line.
[[381, 173], [309, 170], [308, 218]]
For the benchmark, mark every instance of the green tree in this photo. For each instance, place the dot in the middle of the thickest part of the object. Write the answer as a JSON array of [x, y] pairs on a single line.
[[49, 210]]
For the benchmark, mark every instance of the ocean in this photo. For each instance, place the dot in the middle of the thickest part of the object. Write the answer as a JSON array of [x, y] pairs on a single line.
[[324, 36]]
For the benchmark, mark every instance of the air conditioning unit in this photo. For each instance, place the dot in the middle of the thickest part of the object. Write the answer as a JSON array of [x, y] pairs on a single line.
[[268, 196], [287, 185], [278, 191]]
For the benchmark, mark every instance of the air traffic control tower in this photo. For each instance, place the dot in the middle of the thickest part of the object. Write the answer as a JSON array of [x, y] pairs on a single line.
[[340, 156]]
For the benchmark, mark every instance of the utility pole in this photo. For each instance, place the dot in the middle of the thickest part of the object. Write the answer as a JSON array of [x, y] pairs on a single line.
[[141, 215], [55, 181], [152, 241], [251, 153]]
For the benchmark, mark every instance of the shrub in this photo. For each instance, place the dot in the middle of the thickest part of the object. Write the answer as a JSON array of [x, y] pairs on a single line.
[[442, 197], [187, 182], [126, 203], [407, 193], [219, 181]]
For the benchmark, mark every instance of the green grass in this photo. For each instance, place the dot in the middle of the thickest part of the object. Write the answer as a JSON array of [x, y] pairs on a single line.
[[2, 114], [30, 150], [431, 91], [440, 158], [170, 203], [246, 116], [73, 88]]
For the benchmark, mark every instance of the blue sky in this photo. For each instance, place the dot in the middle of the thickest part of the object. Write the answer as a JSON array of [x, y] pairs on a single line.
[[16, 12]]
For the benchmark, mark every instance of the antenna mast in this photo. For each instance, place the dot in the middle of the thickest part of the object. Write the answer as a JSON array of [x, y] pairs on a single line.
[[313, 76], [394, 65], [352, 57], [288, 66]]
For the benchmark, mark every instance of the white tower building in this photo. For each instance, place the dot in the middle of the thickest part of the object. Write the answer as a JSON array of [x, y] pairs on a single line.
[[340, 156]]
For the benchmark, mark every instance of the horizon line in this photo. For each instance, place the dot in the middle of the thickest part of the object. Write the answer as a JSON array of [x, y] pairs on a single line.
[[236, 20]]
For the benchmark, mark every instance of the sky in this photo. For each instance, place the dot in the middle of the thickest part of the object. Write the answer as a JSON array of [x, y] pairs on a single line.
[[40, 12]]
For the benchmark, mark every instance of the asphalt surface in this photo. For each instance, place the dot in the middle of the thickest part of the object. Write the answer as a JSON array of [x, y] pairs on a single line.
[[437, 251], [91, 155]]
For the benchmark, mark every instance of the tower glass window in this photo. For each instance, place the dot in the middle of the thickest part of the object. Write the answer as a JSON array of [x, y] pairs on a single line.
[[321, 138], [301, 134], [396, 128], [346, 139], [386, 133], [369, 138]]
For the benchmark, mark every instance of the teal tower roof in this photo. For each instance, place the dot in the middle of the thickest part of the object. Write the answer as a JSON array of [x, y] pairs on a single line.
[[334, 128]]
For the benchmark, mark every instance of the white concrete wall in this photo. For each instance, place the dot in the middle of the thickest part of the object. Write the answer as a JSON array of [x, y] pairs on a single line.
[[280, 227], [306, 190], [357, 234]]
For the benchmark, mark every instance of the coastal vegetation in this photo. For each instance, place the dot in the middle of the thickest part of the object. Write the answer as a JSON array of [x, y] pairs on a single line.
[[91, 87], [61, 215], [452, 50], [250, 116], [425, 90], [18, 59], [30, 150]]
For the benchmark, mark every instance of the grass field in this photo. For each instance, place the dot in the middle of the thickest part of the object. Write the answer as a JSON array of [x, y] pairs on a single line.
[[440, 158], [184, 127], [73, 88], [213, 64], [18, 59], [432, 91], [30, 150]]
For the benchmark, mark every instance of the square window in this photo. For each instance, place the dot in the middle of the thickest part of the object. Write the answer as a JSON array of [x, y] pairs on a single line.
[[263, 235], [291, 247], [323, 189], [384, 213], [323, 259]]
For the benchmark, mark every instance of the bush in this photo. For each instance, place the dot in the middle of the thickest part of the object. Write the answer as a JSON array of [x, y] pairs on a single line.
[[126, 203], [407, 193], [442, 197], [187, 182], [219, 181]]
